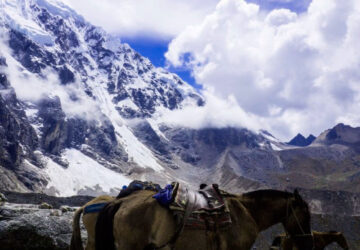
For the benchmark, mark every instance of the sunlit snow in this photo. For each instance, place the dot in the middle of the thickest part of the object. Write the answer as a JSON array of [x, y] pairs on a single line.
[[82, 172]]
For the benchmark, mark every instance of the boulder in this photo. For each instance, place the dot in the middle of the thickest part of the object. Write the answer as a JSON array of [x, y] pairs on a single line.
[[45, 205], [66, 209], [28, 227], [2, 199]]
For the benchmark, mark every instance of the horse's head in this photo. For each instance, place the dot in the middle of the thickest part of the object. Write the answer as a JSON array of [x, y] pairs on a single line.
[[297, 222]]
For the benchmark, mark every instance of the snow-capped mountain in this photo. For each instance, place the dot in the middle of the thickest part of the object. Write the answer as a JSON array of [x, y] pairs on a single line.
[[83, 85], [79, 113]]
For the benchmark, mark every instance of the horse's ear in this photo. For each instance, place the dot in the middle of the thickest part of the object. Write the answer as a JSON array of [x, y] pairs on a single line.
[[297, 195]]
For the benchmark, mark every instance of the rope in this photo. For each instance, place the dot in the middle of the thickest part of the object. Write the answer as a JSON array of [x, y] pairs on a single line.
[[298, 223], [297, 220]]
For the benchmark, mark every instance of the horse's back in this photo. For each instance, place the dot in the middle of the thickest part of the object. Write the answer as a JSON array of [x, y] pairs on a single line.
[[141, 220]]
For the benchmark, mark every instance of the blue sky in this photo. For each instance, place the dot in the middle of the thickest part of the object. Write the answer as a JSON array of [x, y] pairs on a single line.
[[294, 5]]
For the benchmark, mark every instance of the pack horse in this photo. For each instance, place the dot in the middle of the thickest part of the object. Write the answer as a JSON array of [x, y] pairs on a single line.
[[201, 220]]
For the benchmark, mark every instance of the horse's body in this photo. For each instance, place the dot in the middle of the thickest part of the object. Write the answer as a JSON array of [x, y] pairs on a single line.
[[321, 240], [140, 222], [89, 220]]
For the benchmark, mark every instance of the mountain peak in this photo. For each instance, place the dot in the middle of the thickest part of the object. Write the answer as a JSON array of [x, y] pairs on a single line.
[[300, 140], [340, 134]]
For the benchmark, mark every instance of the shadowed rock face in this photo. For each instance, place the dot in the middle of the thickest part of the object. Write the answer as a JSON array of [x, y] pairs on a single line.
[[300, 140], [18, 142], [54, 130], [15, 130]]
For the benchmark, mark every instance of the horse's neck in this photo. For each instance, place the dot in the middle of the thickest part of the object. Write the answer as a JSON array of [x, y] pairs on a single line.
[[325, 239], [266, 212]]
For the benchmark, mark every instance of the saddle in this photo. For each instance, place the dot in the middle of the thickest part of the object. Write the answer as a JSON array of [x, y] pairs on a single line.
[[203, 209]]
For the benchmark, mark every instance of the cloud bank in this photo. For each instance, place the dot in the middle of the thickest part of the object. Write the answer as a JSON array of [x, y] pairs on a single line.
[[156, 18], [294, 72], [217, 113]]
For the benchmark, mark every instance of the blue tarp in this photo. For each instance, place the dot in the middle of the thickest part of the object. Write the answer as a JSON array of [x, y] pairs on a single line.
[[164, 197]]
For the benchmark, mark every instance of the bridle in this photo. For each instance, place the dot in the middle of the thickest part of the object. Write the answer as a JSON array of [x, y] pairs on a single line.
[[303, 234]]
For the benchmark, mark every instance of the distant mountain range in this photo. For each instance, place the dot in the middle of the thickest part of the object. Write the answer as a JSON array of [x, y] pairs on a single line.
[[79, 115]]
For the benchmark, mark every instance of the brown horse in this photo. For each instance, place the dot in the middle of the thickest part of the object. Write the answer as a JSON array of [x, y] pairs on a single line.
[[89, 220], [140, 222], [321, 240]]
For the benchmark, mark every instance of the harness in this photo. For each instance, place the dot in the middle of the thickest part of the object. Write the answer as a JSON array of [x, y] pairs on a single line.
[[287, 235], [189, 207], [303, 234]]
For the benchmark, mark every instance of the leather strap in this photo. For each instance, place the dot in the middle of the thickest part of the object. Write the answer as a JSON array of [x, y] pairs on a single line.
[[191, 201]]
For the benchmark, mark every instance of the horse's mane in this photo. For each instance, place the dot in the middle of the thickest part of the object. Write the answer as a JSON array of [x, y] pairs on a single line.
[[268, 193]]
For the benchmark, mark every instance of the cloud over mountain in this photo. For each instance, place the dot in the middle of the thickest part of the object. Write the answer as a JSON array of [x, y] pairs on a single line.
[[298, 72]]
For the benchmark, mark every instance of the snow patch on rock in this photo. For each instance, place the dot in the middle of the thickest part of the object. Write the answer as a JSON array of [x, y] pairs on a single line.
[[82, 173]]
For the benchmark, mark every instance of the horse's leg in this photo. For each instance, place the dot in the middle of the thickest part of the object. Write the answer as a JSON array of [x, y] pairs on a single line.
[[287, 244]]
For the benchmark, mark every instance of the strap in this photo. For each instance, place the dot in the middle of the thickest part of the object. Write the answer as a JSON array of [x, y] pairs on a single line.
[[94, 208], [191, 200]]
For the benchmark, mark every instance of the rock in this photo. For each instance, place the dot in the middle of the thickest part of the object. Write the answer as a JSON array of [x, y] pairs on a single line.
[[55, 213], [2, 199], [28, 227], [45, 205], [66, 209]]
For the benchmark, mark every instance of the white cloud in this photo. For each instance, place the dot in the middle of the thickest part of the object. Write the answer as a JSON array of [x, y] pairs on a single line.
[[165, 18], [296, 73], [217, 113], [279, 17]]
